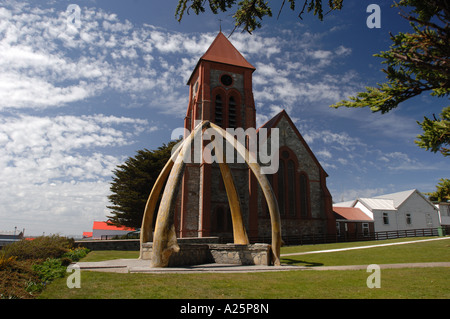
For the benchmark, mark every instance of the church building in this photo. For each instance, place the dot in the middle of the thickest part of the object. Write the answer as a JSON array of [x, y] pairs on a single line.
[[220, 91]]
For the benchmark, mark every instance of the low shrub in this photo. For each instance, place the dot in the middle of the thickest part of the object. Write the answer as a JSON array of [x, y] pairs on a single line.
[[40, 248], [18, 280], [6, 262], [75, 254], [50, 269], [27, 266]]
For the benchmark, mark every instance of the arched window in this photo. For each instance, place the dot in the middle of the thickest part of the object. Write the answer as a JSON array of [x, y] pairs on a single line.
[[229, 223], [232, 112], [222, 222], [287, 184], [304, 195], [264, 212], [281, 189], [220, 219], [291, 188], [218, 111]]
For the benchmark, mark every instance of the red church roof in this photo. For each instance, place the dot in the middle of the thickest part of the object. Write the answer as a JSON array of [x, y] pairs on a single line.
[[105, 226], [222, 51]]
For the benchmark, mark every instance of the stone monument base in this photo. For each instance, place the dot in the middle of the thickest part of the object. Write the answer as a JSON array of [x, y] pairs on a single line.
[[206, 253]]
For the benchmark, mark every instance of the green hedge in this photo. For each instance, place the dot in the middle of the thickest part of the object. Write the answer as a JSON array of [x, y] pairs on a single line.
[[27, 266], [39, 248]]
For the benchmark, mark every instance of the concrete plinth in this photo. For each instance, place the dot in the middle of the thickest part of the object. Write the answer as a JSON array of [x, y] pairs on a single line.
[[256, 254], [205, 253]]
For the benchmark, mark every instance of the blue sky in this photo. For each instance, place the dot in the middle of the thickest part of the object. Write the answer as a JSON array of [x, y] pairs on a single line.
[[76, 102]]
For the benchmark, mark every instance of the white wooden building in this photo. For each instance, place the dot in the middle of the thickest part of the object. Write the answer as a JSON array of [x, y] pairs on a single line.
[[398, 211], [444, 213]]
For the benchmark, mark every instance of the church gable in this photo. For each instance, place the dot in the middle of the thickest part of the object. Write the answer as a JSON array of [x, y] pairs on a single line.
[[299, 183], [290, 137]]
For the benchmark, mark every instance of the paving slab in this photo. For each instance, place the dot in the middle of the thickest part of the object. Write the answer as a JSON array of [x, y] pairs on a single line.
[[143, 266]]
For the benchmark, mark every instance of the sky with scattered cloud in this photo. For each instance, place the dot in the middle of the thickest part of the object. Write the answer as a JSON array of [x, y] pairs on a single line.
[[80, 96]]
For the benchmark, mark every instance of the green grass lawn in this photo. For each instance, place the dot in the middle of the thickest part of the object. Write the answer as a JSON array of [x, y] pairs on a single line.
[[431, 251], [306, 248], [395, 283]]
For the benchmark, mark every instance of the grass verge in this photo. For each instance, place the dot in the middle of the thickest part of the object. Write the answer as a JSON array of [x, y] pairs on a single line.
[[430, 283], [429, 251]]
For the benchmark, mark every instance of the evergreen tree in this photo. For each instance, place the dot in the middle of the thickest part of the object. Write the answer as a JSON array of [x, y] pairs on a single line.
[[442, 193], [417, 62], [132, 184], [436, 133]]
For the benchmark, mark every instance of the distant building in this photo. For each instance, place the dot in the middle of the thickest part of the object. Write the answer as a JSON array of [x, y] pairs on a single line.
[[398, 211], [101, 230], [352, 223], [87, 235], [444, 214], [8, 237]]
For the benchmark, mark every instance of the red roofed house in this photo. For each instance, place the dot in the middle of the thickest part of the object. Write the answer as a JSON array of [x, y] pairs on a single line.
[[101, 230], [87, 235], [352, 222]]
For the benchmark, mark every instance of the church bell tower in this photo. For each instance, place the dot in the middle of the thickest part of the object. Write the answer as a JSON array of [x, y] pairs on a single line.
[[220, 91], [220, 88]]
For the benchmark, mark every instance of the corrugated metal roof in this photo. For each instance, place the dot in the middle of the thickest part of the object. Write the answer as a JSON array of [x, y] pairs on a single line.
[[345, 204], [375, 203], [397, 198]]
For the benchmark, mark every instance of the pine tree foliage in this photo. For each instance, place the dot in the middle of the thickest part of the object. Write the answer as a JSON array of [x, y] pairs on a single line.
[[417, 62], [132, 183], [249, 13], [436, 133], [442, 193]]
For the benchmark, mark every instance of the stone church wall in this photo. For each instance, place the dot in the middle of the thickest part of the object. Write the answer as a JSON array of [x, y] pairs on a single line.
[[317, 223]]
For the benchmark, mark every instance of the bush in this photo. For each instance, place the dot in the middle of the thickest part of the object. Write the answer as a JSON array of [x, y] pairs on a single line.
[[40, 248], [18, 280], [27, 266], [6, 262], [50, 269], [76, 254]]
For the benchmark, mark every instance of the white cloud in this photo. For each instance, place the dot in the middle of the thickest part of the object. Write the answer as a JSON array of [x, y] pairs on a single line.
[[48, 64], [38, 149], [341, 50], [60, 207], [44, 64], [56, 170], [324, 154], [352, 194]]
